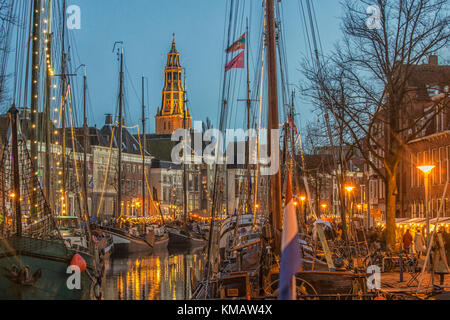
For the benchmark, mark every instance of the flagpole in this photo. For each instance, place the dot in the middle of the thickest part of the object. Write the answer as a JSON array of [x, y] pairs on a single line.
[[290, 173], [249, 175]]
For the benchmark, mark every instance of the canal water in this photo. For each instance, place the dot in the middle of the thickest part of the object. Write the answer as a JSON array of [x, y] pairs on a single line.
[[161, 276]]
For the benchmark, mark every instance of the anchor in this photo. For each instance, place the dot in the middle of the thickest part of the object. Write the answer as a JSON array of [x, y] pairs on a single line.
[[22, 276]]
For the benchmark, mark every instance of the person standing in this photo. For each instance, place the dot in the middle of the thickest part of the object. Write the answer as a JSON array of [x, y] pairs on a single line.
[[446, 238], [440, 265], [419, 243], [407, 241]]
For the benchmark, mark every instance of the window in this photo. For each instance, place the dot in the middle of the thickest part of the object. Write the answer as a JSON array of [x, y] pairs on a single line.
[[448, 163], [442, 165], [190, 182], [435, 161], [418, 176], [195, 183]]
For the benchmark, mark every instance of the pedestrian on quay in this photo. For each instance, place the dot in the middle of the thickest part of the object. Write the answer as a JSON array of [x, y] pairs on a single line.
[[419, 243], [407, 241], [339, 233], [446, 238], [439, 257], [372, 238]]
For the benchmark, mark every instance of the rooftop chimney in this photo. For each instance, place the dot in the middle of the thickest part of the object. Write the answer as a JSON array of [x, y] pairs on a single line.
[[109, 119], [433, 60]]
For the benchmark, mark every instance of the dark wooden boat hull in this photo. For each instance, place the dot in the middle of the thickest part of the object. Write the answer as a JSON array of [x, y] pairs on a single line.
[[161, 243], [179, 240], [328, 285], [53, 259], [124, 245]]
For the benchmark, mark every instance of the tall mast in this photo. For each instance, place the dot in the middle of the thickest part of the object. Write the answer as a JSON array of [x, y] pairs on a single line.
[[35, 81], [16, 173], [47, 127], [185, 204], [85, 147], [63, 106], [273, 124], [35, 91], [249, 176], [119, 160], [143, 147]]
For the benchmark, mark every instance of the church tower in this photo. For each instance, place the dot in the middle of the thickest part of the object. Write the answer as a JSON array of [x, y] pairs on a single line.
[[170, 116]]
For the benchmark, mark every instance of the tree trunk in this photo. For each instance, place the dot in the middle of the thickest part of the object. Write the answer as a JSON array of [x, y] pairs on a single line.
[[390, 209]]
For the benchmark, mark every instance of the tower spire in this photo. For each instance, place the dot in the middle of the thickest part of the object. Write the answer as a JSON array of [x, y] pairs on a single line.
[[171, 115], [174, 45]]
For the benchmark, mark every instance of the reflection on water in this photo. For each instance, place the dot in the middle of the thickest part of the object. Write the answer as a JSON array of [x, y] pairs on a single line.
[[161, 276]]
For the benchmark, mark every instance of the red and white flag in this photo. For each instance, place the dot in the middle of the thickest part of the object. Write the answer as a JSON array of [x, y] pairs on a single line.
[[237, 63]]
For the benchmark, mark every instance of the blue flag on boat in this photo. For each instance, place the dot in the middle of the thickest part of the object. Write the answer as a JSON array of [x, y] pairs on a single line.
[[291, 258]]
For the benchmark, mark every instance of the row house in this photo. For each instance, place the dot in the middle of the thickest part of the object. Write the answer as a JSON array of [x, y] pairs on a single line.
[[428, 86], [431, 149]]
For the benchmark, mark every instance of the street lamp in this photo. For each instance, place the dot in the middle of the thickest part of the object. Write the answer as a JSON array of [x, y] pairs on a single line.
[[426, 169], [303, 199], [324, 207], [349, 189]]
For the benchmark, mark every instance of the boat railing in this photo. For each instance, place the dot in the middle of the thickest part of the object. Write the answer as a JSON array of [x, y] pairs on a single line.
[[27, 244]]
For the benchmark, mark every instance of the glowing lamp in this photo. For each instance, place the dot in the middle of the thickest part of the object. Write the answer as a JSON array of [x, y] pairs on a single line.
[[426, 169], [349, 188]]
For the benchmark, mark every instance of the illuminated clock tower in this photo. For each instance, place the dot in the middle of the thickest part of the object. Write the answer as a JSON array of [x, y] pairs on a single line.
[[170, 116]]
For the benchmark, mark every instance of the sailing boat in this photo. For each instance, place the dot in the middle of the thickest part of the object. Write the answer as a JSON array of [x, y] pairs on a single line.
[[125, 241], [238, 278], [158, 234], [34, 259]]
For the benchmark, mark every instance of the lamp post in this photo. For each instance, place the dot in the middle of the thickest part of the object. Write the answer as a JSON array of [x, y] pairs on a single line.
[[349, 190], [426, 169], [324, 207], [303, 199]]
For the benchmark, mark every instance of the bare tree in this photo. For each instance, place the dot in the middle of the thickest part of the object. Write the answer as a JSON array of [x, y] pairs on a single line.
[[366, 83]]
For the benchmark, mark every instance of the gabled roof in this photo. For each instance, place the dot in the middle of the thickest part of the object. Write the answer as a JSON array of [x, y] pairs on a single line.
[[130, 144]]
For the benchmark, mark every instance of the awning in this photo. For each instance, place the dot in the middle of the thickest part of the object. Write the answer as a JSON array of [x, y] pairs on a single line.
[[441, 220], [398, 221], [413, 220]]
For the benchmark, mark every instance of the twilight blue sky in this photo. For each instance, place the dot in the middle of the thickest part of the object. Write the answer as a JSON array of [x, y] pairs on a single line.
[[146, 27]]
